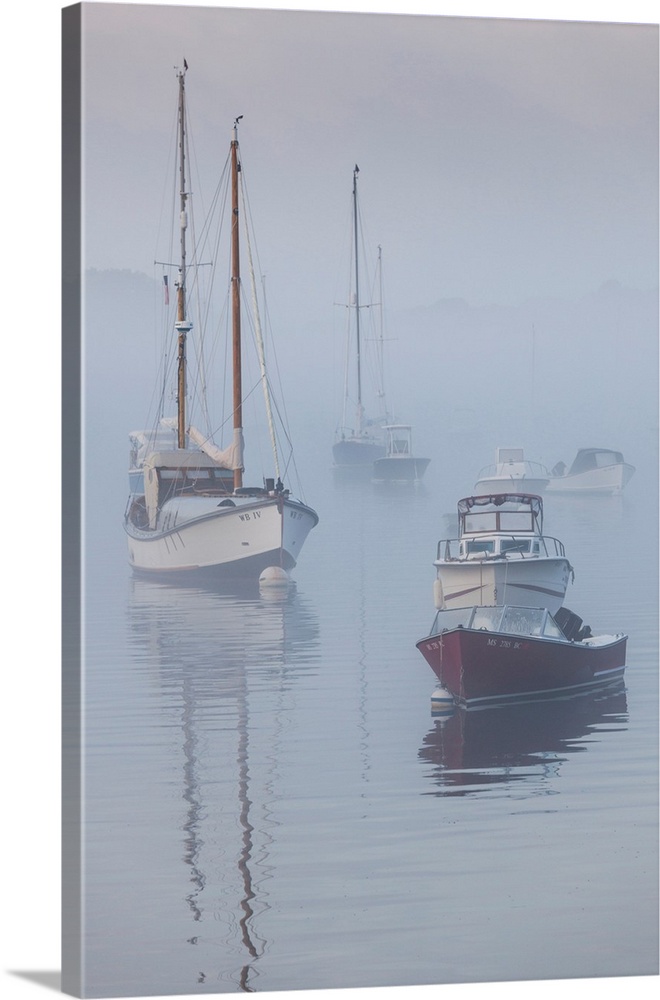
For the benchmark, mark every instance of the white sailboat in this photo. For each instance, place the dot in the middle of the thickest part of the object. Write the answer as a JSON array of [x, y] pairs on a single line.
[[359, 442], [189, 512]]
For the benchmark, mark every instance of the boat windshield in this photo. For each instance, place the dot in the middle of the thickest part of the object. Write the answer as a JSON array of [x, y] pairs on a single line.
[[452, 618], [530, 621], [510, 620]]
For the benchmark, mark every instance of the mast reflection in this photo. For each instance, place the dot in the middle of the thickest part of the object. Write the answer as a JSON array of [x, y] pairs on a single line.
[[210, 653]]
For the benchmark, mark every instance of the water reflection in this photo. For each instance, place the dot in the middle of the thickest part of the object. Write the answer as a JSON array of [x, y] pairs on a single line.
[[222, 666], [470, 751]]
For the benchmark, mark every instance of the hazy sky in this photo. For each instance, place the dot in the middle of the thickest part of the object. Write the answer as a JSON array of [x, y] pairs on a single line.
[[499, 158]]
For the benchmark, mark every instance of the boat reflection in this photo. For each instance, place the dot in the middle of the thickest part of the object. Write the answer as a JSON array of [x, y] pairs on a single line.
[[216, 661], [470, 751]]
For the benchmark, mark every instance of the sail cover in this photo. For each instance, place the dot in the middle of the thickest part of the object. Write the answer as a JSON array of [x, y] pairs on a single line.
[[229, 458]]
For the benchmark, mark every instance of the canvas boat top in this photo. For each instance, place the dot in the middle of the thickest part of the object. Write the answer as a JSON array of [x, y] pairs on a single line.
[[500, 525]]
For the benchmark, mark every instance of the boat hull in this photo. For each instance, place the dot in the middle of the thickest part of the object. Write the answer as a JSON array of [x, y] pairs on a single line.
[[481, 667], [356, 452], [227, 542], [399, 469], [609, 480], [511, 484], [533, 582]]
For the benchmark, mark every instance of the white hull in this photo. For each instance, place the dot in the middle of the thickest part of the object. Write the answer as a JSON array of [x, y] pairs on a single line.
[[198, 536], [530, 582], [510, 484], [399, 469], [608, 480]]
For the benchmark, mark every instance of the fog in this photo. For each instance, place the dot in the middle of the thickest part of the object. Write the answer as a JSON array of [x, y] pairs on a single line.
[[508, 169], [500, 159]]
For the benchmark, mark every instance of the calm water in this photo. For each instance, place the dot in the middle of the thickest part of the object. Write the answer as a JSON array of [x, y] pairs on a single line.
[[270, 804]]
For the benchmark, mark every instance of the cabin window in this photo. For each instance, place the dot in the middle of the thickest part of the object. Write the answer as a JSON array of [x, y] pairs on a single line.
[[604, 458], [515, 520], [515, 545], [481, 521], [479, 545], [585, 461]]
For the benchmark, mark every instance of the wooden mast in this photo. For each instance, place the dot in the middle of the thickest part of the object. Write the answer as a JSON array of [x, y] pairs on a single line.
[[236, 299], [183, 326]]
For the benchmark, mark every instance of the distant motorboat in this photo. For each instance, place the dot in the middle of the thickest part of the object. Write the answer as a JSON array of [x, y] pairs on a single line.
[[485, 655], [399, 465], [510, 472], [501, 556], [594, 470]]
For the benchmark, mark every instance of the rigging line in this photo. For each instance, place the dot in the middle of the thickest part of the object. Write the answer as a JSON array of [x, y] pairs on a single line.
[[202, 292], [283, 431], [259, 335], [280, 406], [198, 388], [230, 416]]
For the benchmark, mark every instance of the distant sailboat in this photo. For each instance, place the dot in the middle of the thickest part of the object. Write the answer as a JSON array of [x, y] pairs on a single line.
[[188, 510], [360, 442]]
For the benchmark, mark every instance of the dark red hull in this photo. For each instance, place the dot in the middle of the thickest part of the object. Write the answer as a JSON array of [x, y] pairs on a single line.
[[482, 666]]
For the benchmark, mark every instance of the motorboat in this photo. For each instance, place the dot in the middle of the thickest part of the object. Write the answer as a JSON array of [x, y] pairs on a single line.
[[189, 511], [501, 556], [594, 470], [399, 465], [512, 471], [484, 655]]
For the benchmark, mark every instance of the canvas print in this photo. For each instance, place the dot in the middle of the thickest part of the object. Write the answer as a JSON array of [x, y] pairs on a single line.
[[360, 532]]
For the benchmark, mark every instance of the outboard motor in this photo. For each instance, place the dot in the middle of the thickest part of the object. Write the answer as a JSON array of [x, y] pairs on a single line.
[[570, 624]]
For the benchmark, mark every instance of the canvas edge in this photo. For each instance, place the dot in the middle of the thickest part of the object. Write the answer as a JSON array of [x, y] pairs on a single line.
[[72, 874]]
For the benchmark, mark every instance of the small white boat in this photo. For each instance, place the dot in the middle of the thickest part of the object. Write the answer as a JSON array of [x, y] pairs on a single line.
[[594, 470], [188, 511], [501, 556], [511, 471], [399, 465]]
